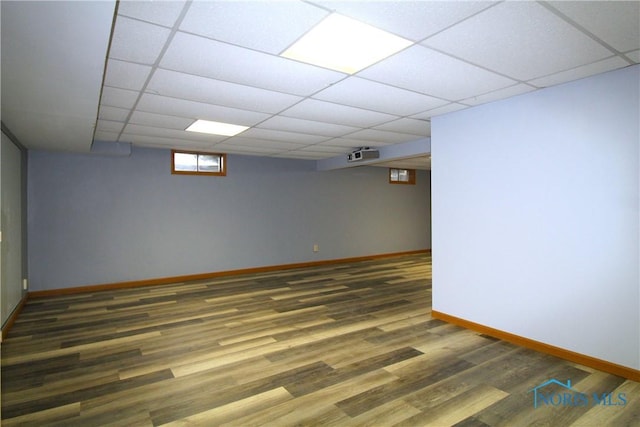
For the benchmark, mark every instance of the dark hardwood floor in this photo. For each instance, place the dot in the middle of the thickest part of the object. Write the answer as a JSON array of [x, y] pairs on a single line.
[[346, 344]]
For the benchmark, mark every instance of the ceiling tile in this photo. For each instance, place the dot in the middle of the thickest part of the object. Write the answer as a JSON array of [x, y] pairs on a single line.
[[634, 56], [198, 110], [121, 98], [247, 150], [414, 20], [102, 135], [617, 23], [275, 135], [499, 94], [406, 125], [370, 95], [302, 155], [52, 62], [158, 12], [251, 23], [165, 142], [194, 88], [352, 144], [525, 53], [238, 65], [137, 41], [160, 120], [109, 126], [261, 143], [323, 149], [321, 111], [290, 124], [449, 108], [112, 113], [222, 64], [427, 71], [381, 137], [132, 129], [126, 75], [581, 72]]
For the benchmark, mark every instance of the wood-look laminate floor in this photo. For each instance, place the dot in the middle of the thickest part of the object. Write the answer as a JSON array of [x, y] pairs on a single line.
[[346, 344]]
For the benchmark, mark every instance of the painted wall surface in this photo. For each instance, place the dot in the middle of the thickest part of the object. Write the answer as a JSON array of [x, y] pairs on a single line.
[[95, 220], [536, 216], [11, 255]]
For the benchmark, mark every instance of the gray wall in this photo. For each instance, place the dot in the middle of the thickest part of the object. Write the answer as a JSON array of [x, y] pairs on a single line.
[[95, 220], [11, 222], [537, 197]]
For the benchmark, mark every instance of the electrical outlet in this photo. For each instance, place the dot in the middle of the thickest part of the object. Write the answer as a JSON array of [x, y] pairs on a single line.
[[25, 284], [316, 248]]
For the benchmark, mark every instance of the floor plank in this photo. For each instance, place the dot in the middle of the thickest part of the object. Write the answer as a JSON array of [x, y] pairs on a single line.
[[349, 344]]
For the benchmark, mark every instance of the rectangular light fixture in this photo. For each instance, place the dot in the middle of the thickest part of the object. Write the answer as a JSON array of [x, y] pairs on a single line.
[[216, 128], [344, 44]]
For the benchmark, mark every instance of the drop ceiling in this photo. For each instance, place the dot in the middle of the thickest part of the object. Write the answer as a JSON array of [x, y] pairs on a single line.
[[72, 74]]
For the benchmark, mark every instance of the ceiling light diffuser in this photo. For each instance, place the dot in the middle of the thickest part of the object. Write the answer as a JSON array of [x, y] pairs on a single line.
[[216, 128], [344, 44]]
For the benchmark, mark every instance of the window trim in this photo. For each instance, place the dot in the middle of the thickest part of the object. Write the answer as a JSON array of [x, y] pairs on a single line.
[[223, 160], [412, 176]]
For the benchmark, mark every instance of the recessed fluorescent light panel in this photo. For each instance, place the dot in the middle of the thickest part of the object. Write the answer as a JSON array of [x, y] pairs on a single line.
[[216, 128], [344, 44]]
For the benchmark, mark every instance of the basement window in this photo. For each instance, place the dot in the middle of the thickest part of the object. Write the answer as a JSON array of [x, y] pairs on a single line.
[[402, 176], [198, 163]]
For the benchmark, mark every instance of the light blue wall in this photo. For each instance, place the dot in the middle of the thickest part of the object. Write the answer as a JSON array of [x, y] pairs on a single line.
[[11, 222], [95, 220], [536, 215]]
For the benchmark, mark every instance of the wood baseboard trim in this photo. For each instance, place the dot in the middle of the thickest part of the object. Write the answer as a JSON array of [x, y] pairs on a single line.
[[213, 275], [562, 353], [12, 318]]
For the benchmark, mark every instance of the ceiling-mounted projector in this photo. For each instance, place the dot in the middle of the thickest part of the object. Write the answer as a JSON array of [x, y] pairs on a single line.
[[364, 153]]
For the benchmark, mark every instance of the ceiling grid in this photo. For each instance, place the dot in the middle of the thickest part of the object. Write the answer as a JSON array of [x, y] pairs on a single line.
[[173, 62]]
